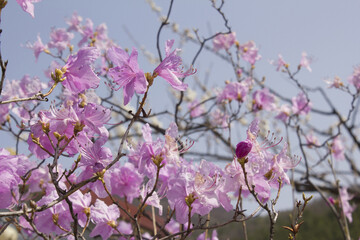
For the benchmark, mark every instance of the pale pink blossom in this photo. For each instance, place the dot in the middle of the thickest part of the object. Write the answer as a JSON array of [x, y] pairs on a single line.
[[335, 82], [311, 139], [37, 47], [60, 39], [74, 22], [354, 79], [196, 109], [301, 105], [338, 149], [280, 63], [305, 61], [283, 112], [249, 52], [28, 6], [345, 205], [171, 69], [224, 41], [263, 100], [79, 74], [126, 72]]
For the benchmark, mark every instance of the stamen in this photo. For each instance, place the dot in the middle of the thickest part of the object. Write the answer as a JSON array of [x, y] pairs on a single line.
[[269, 143]]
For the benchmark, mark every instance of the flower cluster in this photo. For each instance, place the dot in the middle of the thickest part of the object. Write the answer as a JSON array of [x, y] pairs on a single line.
[[74, 181]]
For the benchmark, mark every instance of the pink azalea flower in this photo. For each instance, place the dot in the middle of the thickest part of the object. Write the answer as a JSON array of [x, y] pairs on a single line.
[[154, 199], [104, 217], [234, 91], [81, 204], [74, 22], [345, 205], [96, 187], [28, 6], [249, 52], [263, 100], [30, 86], [125, 228], [354, 79], [209, 188], [26, 87], [63, 121], [173, 226], [281, 164], [37, 47], [170, 68], [336, 82], [44, 220], [196, 109], [86, 31], [12, 167], [60, 39], [179, 189], [127, 73], [219, 118], [148, 151], [79, 74], [337, 149], [126, 182], [224, 41], [284, 112], [263, 167], [280, 63], [311, 139], [301, 105], [213, 236], [95, 155], [305, 61], [4, 112]]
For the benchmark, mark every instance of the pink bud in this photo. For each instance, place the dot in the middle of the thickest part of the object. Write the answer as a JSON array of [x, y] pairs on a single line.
[[243, 148]]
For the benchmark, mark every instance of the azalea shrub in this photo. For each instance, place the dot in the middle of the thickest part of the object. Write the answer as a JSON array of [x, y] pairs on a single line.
[[102, 162]]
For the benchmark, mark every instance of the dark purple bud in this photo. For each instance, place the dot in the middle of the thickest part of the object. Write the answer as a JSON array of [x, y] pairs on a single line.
[[243, 148]]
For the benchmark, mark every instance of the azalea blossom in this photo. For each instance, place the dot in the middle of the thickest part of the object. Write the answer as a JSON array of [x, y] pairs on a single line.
[[78, 71], [213, 236], [60, 39], [224, 41], [263, 100], [170, 68], [126, 73], [283, 112], [354, 79], [305, 61], [347, 209], [37, 47], [234, 91], [279, 63], [249, 52], [263, 167], [301, 105], [105, 217], [335, 82], [311, 139], [196, 108], [74, 22], [28, 6], [337, 149]]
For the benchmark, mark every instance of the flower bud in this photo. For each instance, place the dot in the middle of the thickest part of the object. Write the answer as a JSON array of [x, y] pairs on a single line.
[[243, 148]]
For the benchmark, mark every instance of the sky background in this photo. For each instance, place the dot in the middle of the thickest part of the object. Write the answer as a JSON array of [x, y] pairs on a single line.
[[326, 30]]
